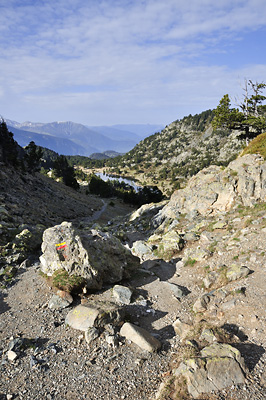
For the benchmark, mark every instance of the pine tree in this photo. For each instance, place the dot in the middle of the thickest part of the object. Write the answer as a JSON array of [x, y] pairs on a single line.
[[64, 170], [33, 155], [8, 146], [249, 117]]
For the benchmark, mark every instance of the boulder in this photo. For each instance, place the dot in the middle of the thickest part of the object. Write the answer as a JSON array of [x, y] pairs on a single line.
[[198, 254], [94, 315], [95, 256], [167, 244], [147, 209], [236, 272], [219, 366], [140, 337]]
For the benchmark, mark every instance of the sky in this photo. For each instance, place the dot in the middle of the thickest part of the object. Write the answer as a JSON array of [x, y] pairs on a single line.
[[105, 62]]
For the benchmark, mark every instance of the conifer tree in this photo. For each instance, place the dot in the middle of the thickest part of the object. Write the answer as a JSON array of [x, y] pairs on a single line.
[[33, 157], [8, 146], [64, 170], [250, 117]]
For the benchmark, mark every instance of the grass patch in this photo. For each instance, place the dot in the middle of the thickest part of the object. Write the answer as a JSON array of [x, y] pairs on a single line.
[[190, 262], [257, 146], [8, 274], [219, 332], [69, 283], [233, 173]]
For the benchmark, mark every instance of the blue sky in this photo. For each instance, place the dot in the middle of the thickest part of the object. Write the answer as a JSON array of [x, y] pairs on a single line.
[[102, 62]]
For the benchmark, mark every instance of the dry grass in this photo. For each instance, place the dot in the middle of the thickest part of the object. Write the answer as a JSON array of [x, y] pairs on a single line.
[[257, 146]]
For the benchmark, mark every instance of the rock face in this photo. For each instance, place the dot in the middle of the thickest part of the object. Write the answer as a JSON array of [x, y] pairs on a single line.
[[213, 189], [219, 366], [97, 257]]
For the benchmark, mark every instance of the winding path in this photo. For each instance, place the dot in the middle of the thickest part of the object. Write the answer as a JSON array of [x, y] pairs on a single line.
[[98, 213]]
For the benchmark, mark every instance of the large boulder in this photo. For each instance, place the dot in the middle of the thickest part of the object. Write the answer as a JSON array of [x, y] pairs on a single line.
[[96, 256]]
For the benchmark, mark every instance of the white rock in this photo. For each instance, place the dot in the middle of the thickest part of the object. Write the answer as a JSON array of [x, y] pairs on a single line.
[[140, 337], [11, 355]]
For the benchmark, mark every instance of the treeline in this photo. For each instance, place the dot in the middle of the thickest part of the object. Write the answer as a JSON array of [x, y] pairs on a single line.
[[34, 158], [27, 159], [147, 194]]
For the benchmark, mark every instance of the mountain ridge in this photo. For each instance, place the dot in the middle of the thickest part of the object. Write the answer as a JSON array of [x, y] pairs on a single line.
[[83, 140]]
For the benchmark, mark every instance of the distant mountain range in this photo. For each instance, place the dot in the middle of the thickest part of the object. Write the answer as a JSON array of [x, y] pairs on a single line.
[[70, 138]]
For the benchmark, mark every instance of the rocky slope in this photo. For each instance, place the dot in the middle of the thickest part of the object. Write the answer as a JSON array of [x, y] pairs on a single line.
[[168, 158], [187, 323]]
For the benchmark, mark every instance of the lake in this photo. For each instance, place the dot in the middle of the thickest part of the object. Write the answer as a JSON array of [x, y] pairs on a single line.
[[106, 177]]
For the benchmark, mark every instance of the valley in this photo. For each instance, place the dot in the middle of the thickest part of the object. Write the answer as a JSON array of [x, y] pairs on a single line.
[[105, 300]]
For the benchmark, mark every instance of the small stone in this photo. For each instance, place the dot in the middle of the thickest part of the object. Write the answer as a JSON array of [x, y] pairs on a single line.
[[182, 329], [91, 334], [191, 237], [201, 304], [11, 355], [254, 318], [112, 340], [122, 294], [65, 296], [33, 362], [177, 290], [228, 305], [219, 225], [208, 336], [179, 264], [210, 279], [58, 303]]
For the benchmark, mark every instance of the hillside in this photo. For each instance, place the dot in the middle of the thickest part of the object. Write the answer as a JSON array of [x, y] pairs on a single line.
[[167, 159]]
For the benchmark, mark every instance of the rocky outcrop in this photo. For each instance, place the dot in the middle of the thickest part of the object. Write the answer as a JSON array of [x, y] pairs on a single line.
[[97, 257], [215, 189]]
